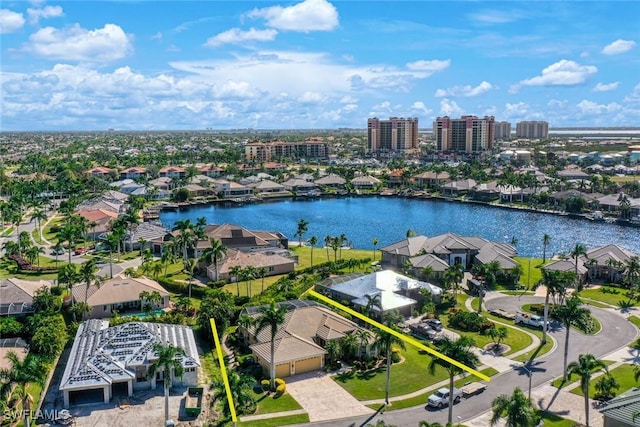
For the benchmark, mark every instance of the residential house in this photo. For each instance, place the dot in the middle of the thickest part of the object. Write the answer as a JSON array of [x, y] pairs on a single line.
[[431, 179], [231, 190], [173, 172], [608, 262], [622, 410], [395, 178], [331, 181], [612, 202], [300, 339], [268, 187], [163, 184], [121, 294], [573, 173], [569, 265], [196, 190], [485, 191], [17, 295], [393, 291], [418, 263], [365, 182], [211, 171], [134, 173], [101, 172], [274, 262], [143, 232], [105, 362], [98, 220], [300, 186], [458, 188]]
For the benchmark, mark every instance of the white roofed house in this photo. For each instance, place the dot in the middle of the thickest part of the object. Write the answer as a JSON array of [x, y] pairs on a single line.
[[108, 361], [394, 291], [366, 182], [331, 181]]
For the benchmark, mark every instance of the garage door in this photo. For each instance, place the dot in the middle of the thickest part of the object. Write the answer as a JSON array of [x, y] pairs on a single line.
[[307, 365], [282, 370], [85, 397]]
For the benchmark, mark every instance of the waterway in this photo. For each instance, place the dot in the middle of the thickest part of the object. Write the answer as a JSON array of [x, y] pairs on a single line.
[[362, 219]]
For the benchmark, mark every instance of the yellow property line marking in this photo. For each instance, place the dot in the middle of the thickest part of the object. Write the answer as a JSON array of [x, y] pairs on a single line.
[[223, 371], [403, 337]]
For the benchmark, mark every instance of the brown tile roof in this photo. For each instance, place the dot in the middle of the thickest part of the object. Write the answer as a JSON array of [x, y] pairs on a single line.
[[118, 289]]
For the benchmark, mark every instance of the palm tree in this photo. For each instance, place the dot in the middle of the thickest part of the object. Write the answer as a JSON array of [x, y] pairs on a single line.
[[57, 248], [262, 273], [88, 275], [584, 367], [385, 342], [578, 250], [363, 339], [343, 240], [556, 283], [241, 385], [460, 350], [213, 254], [15, 381], [169, 362], [190, 266], [235, 272], [349, 345], [373, 301], [39, 215], [312, 242], [517, 410], [303, 227], [167, 257], [632, 273], [375, 242], [571, 314], [271, 316], [249, 274], [546, 239]]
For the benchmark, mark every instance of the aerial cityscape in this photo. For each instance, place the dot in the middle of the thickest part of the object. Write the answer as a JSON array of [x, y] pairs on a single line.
[[316, 212]]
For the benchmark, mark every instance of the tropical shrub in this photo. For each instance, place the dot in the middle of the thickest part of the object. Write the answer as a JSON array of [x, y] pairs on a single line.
[[10, 327], [466, 321], [265, 384]]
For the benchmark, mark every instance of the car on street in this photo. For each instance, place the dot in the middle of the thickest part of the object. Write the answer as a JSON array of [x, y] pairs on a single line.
[[440, 398], [57, 252], [434, 324]]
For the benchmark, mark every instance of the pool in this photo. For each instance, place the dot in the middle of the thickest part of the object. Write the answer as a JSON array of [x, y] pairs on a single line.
[[157, 312]]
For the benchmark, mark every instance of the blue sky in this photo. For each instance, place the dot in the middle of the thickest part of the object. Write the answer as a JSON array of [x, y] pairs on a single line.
[[144, 65]]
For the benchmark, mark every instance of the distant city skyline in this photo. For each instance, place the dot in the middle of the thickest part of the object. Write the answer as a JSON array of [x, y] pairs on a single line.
[[315, 64]]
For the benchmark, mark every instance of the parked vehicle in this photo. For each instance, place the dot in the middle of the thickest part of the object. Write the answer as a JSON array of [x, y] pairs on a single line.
[[80, 251], [529, 319], [57, 252], [440, 398], [473, 388], [422, 331], [435, 324]]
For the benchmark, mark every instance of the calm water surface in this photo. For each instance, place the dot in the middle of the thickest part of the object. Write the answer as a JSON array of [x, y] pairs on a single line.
[[387, 218]]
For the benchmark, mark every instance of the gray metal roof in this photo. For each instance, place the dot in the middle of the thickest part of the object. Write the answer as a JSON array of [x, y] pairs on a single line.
[[101, 354], [623, 407]]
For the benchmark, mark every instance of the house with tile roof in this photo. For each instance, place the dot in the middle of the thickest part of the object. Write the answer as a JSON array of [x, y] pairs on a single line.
[[300, 340], [569, 265], [108, 361], [133, 173], [365, 182], [17, 295], [121, 294], [275, 263], [608, 262]]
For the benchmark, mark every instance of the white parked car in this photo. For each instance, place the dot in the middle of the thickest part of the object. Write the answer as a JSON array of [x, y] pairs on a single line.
[[440, 398]]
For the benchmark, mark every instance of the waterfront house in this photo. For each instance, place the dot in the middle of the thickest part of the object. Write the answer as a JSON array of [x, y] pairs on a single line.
[[232, 190], [366, 182], [431, 179], [17, 295], [458, 188], [196, 190], [300, 186], [573, 173], [566, 265], [485, 191], [211, 171], [105, 362], [162, 184], [173, 172], [394, 291], [274, 262], [267, 186], [331, 181], [608, 262], [121, 294], [300, 340], [143, 232]]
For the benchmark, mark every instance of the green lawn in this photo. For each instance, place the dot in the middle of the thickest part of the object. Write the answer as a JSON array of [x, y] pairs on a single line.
[[280, 421], [46, 231], [606, 294], [623, 374], [320, 255], [422, 398], [9, 268], [267, 404], [635, 320], [553, 420], [406, 377], [559, 384], [531, 272]]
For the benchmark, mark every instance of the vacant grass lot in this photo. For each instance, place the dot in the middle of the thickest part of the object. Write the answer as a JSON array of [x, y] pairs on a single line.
[[607, 294], [531, 272], [407, 376]]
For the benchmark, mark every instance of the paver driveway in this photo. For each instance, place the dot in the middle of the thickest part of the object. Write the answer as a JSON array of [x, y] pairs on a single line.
[[322, 398]]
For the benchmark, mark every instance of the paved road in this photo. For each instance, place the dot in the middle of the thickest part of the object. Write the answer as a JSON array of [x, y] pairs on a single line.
[[616, 333]]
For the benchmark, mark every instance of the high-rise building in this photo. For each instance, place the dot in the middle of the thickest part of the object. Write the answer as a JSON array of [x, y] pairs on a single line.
[[395, 134], [266, 151], [532, 130], [502, 130], [468, 134]]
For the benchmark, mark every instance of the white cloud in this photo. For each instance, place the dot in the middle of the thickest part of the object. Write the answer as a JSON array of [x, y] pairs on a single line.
[[46, 12], [518, 109], [618, 46], [605, 87], [429, 66], [10, 21], [310, 97], [347, 99], [307, 16], [494, 17], [449, 108], [157, 36], [590, 107], [562, 73], [466, 91], [421, 107], [236, 36], [75, 43]]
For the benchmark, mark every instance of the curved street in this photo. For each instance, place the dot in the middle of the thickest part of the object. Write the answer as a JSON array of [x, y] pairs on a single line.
[[616, 333]]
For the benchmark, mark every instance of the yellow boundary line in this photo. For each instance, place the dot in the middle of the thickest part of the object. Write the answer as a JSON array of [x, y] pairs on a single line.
[[403, 337], [223, 371]]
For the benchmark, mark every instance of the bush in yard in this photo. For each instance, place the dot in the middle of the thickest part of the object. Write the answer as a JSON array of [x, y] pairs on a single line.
[[265, 384], [280, 390], [466, 321], [10, 327], [485, 326]]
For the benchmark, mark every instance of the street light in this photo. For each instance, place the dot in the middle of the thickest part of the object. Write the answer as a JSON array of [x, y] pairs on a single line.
[[529, 374]]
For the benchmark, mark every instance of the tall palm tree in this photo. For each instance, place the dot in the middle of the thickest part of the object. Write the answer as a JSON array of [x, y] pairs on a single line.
[[168, 362], [385, 342], [88, 275], [546, 240], [632, 272], [214, 253], [375, 242], [343, 240], [571, 314], [556, 283], [235, 272], [312, 242], [578, 250], [39, 215], [271, 316], [584, 367], [373, 301], [190, 266], [241, 385], [15, 381], [249, 274], [363, 340], [517, 410], [460, 350], [303, 227]]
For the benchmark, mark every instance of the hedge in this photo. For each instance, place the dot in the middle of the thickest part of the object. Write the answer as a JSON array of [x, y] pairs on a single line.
[[182, 288]]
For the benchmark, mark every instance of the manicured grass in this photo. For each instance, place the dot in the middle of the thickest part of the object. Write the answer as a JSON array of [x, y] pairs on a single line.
[[280, 421], [606, 294], [406, 377], [531, 272], [559, 384], [46, 230], [623, 374], [635, 320], [422, 398], [267, 404], [553, 420], [10, 269], [518, 293], [320, 255]]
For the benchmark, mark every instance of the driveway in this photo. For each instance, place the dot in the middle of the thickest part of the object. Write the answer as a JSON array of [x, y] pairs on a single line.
[[322, 398]]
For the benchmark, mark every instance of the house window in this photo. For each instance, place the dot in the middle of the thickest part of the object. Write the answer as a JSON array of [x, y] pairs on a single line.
[[271, 269]]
